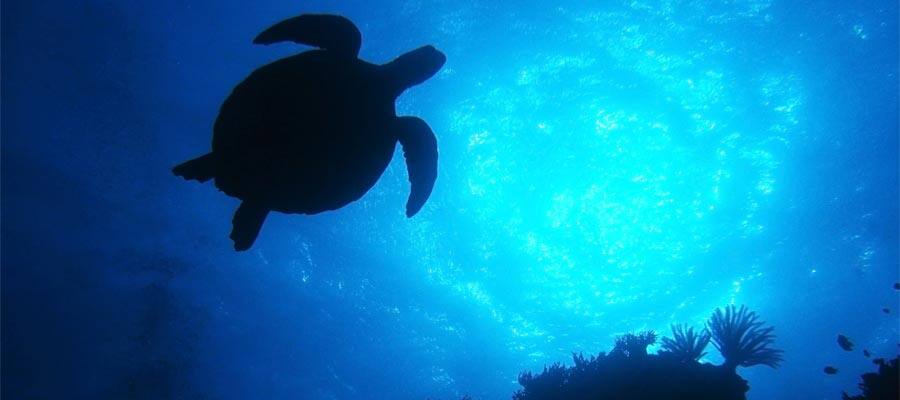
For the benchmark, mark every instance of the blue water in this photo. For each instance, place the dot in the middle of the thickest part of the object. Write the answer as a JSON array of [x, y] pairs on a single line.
[[603, 169]]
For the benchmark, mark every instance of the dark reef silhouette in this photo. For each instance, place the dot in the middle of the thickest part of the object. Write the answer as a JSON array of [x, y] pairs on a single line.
[[675, 372], [742, 339], [881, 385], [314, 131]]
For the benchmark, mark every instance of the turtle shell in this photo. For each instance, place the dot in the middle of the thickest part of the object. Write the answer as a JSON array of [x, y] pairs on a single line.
[[305, 134]]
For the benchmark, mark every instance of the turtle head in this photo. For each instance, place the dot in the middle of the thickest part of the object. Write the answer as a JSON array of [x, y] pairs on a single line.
[[414, 67]]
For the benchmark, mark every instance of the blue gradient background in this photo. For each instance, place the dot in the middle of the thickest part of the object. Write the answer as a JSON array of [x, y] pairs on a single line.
[[604, 168]]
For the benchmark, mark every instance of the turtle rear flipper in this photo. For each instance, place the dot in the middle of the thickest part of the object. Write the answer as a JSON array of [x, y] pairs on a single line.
[[330, 32], [247, 221], [201, 169], [420, 150]]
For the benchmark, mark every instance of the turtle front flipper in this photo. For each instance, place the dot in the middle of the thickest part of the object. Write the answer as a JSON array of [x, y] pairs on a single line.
[[247, 221], [330, 32], [420, 150]]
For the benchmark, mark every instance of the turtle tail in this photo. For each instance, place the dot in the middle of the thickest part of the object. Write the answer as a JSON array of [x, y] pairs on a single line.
[[201, 169]]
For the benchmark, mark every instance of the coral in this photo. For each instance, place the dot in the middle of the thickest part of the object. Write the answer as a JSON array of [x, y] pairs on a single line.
[[883, 385], [686, 345], [552, 380], [742, 339], [634, 377], [634, 345], [627, 372]]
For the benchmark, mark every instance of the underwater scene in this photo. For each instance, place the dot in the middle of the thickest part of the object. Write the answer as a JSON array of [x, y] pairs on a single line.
[[411, 199]]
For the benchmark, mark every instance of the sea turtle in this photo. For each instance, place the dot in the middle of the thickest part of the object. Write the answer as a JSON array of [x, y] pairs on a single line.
[[314, 131]]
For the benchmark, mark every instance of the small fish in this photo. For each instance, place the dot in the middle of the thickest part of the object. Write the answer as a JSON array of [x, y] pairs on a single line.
[[897, 286], [866, 353], [830, 370], [845, 343]]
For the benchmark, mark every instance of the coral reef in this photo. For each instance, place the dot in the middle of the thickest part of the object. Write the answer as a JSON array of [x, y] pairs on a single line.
[[742, 339], [881, 385], [686, 345], [633, 345], [628, 372]]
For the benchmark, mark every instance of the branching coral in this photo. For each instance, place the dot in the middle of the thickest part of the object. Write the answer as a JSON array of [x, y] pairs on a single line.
[[543, 385], [687, 345], [742, 338], [634, 345]]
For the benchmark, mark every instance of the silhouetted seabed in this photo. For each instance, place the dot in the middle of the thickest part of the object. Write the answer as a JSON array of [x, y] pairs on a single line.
[[629, 372], [881, 385]]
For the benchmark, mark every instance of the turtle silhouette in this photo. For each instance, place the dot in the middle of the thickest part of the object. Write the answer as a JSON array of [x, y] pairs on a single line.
[[314, 131]]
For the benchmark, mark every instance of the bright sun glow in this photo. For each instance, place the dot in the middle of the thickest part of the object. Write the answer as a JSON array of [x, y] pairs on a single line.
[[607, 194]]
